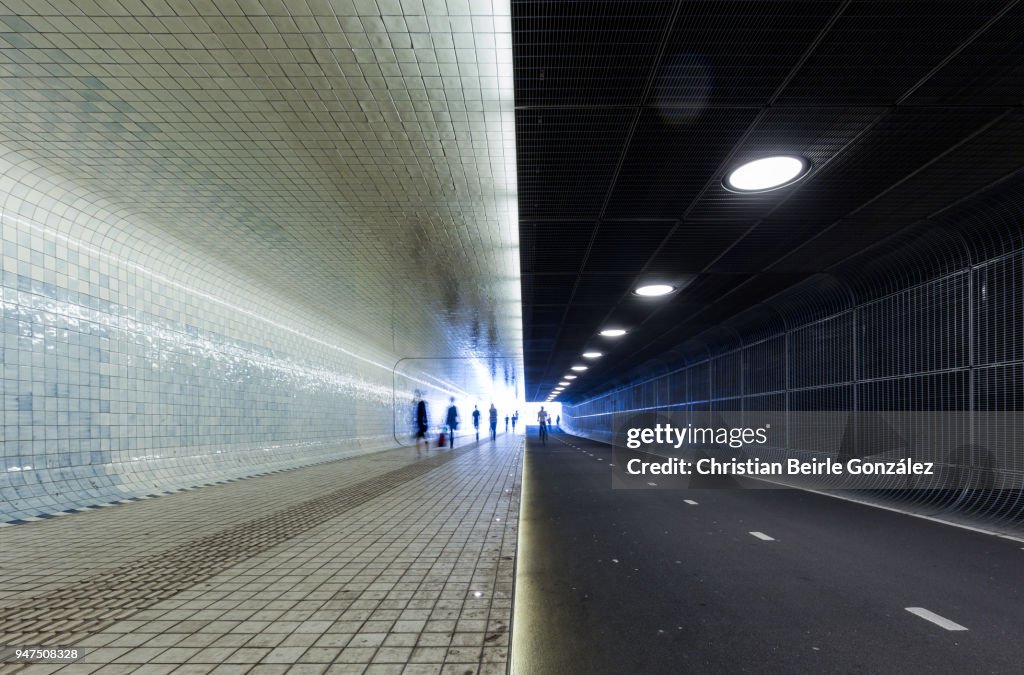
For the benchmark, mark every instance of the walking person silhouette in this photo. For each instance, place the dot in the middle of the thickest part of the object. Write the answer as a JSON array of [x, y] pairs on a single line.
[[452, 420], [421, 424]]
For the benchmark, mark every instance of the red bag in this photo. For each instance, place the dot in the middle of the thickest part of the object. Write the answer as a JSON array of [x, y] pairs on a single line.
[[441, 440]]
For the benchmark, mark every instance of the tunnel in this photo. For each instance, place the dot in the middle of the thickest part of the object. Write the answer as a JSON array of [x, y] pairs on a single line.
[[478, 337]]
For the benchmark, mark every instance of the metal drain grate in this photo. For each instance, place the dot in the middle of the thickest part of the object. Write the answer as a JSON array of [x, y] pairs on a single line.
[[91, 605]]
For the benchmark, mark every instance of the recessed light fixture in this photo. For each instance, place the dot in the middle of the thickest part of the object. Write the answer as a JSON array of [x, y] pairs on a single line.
[[592, 355], [578, 369], [570, 377], [767, 173], [654, 290], [564, 383], [613, 332]]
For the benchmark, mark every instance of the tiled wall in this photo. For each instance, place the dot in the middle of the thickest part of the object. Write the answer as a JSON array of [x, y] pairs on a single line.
[[132, 365]]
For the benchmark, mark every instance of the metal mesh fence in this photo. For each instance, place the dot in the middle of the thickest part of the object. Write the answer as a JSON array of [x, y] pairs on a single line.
[[952, 340]]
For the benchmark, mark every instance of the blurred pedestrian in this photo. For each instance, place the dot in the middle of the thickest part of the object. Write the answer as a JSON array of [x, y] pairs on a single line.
[[476, 421], [494, 422], [421, 423], [506, 424], [542, 419], [452, 420]]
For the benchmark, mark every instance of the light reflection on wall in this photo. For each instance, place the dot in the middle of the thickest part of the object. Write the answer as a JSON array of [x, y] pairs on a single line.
[[104, 400], [94, 390]]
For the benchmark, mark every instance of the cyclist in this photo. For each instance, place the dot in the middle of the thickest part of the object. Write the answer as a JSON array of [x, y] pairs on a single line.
[[542, 420]]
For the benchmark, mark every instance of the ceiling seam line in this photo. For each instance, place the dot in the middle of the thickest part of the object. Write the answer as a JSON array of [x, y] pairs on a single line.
[[809, 51], [956, 52], [639, 109], [764, 110], [655, 63], [977, 132], [860, 134], [930, 216]]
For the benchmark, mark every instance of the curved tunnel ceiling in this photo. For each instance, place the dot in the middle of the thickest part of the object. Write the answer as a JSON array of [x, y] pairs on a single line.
[[362, 157], [357, 157], [629, 115]]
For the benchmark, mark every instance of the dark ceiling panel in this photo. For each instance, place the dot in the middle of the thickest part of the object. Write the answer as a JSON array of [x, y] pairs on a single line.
[[554, 246], [626, 246], [669, 164], [602, 290], [988, 72], [708, 57], [879, 49], [546, 316], [552, 289], [693, 246], [566, 160], [585, 53]]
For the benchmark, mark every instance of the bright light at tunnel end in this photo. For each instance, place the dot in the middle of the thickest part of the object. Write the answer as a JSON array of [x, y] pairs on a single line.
[[767, 173]]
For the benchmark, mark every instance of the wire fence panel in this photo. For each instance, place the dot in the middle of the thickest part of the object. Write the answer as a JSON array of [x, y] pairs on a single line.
[[950, 340]]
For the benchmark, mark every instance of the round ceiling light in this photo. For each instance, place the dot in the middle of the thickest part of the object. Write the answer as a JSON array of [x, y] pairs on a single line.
[[565, 383], [592, 355], [613, 332], [767, 173], [570, 377], [654, 290], [578, 369]]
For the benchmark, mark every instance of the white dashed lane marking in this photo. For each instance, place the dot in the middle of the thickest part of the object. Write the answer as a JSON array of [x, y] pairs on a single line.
[[940, 621], [762, 536]]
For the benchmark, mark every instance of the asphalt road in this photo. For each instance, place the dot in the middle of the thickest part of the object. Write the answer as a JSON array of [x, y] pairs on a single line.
[[640, 581]]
